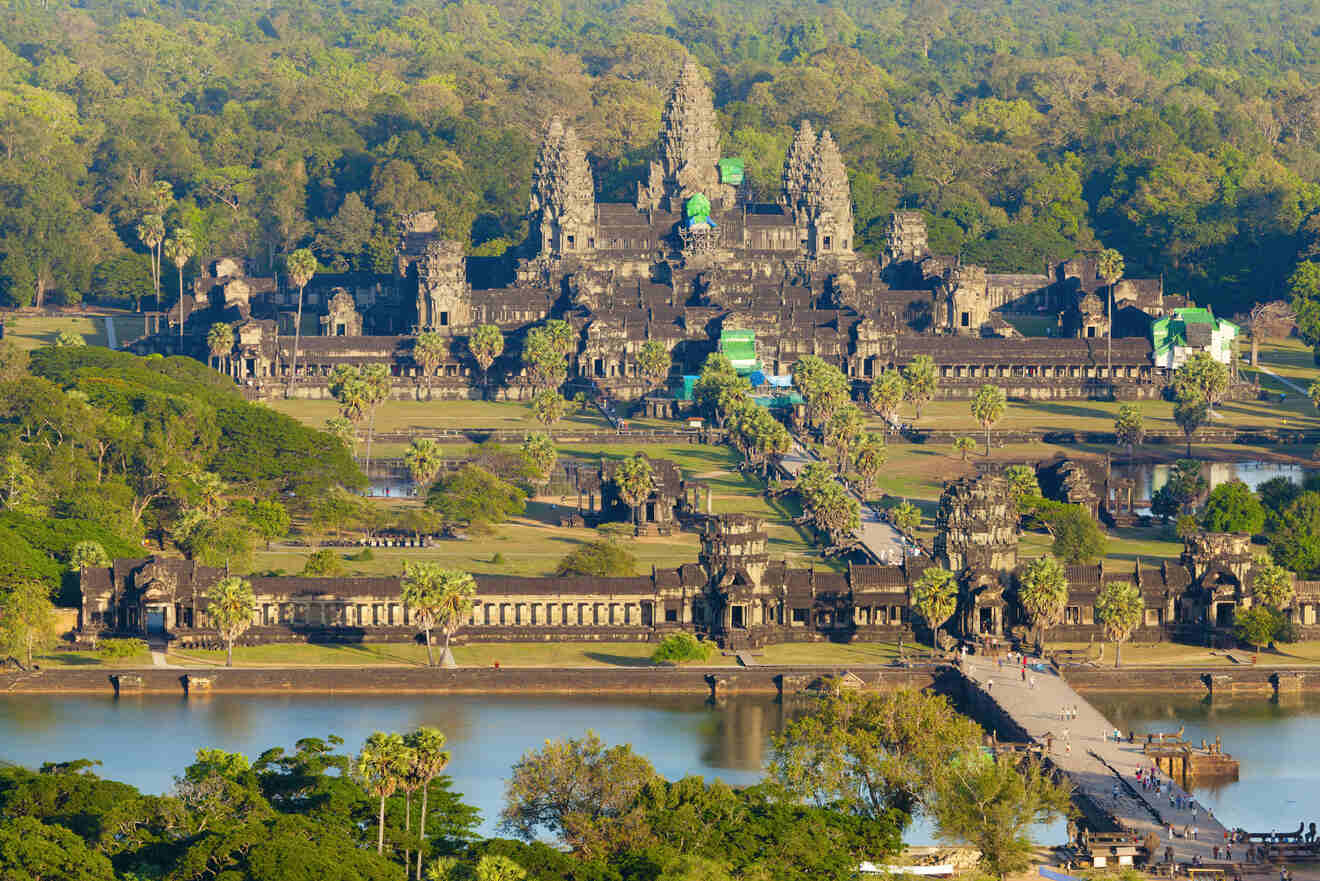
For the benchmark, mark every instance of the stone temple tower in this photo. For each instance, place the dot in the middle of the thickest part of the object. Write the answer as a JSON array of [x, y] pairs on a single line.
[[797, 166], [563, 200], [689, 150], [976, 526], [828, 201]]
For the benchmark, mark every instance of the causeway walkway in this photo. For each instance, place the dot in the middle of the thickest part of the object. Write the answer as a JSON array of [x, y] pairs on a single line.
[[881, 540], [1095, 762]]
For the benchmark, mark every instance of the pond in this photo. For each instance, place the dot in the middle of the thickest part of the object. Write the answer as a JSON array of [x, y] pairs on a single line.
[[147, 740], [1149, 478]]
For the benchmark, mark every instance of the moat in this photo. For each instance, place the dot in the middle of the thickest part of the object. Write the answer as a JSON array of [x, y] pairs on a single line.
[[147, 740]]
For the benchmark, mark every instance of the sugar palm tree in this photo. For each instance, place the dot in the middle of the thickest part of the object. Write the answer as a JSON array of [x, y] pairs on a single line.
[[375, 390], [230, 606], [151, 230], [486, 344], [430, 758], [423, 458], [635, 481], [429, 350], [1109, 266], [220, 340], [301, 266], [180, 250], [380, 768], [439, 599]]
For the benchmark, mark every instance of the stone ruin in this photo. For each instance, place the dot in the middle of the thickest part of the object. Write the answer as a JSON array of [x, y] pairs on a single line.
[[976, 525]]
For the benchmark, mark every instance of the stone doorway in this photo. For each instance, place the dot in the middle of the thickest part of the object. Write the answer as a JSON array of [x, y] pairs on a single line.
[[986, 621], [736, 617], [155, 620], [1224, 614]]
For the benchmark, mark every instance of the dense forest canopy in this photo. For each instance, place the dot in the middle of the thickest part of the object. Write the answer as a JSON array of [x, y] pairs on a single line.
[[1181, 133]]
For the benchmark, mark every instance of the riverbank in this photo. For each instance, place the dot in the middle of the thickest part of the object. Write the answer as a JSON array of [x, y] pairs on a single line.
[[1218, 682]]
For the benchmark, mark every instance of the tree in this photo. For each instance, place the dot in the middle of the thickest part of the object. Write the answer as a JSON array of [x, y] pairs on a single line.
[[222, 543], [549, 406], [869, 459], [269, 519], [1304, 291], [1296, 544], [906, 518], [1263, 318], [230, 605], [1077, 537], [654, 361], [1256, 625], [301, 266], [180, 250], [1022, 484], [823, 386], [376, 384], [602, 557], [486, 344], [87, 553], [1190, 414], [423, 458], [1119, 608], [634, 479], [545, 357], [540, 454], [719, 389], [1202, 377], [988, 405], [430, 758], [571, 788], [963, 446], [220, 341], [887, 394], [1129, 427], [843, 430], [1233, 507], [1043, 593], [152, 232], [27, 619], [430, 350], [474, 498], [439, 598], [67, 339], [342, 428], [922, 380], [31, 849], [992, 802], [1109, 266], [679, 647], [869, 754], [380, 767], [1271, 584], [934, 596]]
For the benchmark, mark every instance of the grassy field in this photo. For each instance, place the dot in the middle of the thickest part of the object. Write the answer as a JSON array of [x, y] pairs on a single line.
[[1169, 654], [35, 331], [394, 416], [90, 659], [554, 654]]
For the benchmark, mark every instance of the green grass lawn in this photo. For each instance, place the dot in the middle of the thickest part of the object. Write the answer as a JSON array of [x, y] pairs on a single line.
[[520, 654], [36, 331], [394, 416], [90, 659]]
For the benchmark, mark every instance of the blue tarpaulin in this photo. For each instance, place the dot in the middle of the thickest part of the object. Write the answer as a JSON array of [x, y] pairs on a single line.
[[756, 378], [1056, 876], [785, 381]]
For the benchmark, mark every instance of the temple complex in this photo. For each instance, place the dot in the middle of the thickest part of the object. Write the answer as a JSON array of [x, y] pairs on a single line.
[[691, 258]]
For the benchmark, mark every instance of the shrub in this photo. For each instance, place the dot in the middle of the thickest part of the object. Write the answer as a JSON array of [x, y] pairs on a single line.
[[603, 557], [677, 648], [363, 556], [114, 649], [323, 562], [497, 559]]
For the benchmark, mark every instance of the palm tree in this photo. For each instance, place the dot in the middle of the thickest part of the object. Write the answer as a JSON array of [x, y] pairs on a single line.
[[379, 768], [220, 340], [180, 250], [429, 350], [423, 458], [486, 344], [438, 598], [1109, 266], [302, 266], [230, 606], [430, 758], [375, 390], [151, 230], [635, 481]]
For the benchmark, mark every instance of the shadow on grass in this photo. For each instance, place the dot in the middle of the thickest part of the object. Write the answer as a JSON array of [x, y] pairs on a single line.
[[76, 661], [618, 660]]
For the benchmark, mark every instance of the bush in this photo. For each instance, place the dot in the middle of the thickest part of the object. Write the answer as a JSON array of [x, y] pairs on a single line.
[[323, 562], [115, 649], [677, 648], [363, 556], [497, 559], [602, 557]]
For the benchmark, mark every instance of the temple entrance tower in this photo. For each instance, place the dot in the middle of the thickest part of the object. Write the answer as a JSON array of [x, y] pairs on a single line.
[[563, 199], [689, 150]]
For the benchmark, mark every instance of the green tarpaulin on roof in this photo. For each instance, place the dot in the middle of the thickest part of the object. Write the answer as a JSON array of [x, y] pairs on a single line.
[[697, 206], [731, 171], [739, 346]]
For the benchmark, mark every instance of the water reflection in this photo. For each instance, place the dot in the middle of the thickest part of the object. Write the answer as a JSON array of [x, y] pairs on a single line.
[[1274, 741], [1150, 478]]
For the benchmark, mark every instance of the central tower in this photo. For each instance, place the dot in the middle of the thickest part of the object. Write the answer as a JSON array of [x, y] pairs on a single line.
[[689, 150]]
